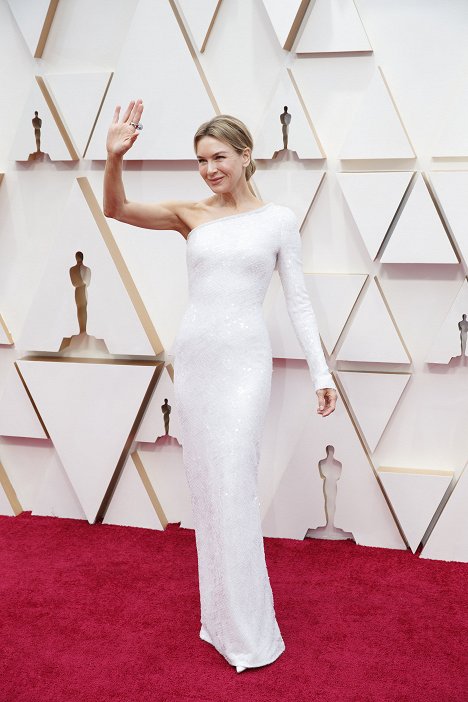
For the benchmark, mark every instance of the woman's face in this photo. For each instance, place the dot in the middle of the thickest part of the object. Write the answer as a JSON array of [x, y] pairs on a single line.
[[219, 165]]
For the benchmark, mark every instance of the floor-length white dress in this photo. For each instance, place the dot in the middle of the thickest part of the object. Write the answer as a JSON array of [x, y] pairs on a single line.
[[222, 380]]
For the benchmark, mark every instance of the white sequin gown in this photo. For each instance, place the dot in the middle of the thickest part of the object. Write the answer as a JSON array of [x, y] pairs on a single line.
[[222, 380]]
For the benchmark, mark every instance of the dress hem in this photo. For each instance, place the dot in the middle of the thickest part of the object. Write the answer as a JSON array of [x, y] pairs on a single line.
[[204, 636]]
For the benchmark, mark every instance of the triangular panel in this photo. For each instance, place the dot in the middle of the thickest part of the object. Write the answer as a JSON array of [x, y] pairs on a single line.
[[361, 508], [34, 20], [55, 496], [450, 189], [449, 538], [373, 398], [131, 504], [452, 140], [50, 140], [377, 131], [333, 26], [302, 139], [295, 187], [373, 336], [162, 288], [373, 199], [80, 115], [332, 298], [89, 410], [415, 497], [18, 416], [163, 465], [447, 343], [156, 64], [111, 317], [419, 235]]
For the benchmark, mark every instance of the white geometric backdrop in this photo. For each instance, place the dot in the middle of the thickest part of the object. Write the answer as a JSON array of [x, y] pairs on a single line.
[[377, 175]]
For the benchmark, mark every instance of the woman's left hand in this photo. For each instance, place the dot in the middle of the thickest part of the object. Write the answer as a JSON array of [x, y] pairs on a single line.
[[327, 398]]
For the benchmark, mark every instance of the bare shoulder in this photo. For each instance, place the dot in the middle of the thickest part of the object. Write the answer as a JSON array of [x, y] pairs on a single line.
[[193, 213], [185, 214], [178, 214]]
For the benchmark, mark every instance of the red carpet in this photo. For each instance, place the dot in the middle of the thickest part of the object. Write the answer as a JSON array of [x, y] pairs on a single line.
[[105, 613]]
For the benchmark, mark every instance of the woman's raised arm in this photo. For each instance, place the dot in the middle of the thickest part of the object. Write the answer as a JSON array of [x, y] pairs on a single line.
[[120, 138]]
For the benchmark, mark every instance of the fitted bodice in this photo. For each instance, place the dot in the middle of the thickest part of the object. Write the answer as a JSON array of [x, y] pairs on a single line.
[[230, 262], [231, 259]]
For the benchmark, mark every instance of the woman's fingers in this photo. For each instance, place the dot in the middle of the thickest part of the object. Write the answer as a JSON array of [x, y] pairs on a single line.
[[138, 112], [330, 404], [115, 118], [327, 402], [131, 114], [128, 111], [134, 116]]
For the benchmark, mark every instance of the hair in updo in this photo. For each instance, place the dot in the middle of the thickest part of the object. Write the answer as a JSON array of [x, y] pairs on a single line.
[[233, 132]]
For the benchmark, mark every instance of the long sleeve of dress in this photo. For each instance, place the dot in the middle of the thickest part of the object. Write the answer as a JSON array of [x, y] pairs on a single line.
[[301, 313]]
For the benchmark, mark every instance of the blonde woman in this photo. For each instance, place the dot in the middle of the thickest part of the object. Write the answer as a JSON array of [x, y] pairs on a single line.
[[223, 367]]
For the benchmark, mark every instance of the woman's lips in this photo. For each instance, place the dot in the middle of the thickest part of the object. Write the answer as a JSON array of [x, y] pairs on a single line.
[[217, 180]]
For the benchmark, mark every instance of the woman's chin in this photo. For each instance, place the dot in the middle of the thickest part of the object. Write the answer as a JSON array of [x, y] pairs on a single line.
[[216, 185]]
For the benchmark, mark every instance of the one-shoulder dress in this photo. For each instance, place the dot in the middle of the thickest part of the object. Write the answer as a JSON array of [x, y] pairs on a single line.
[[222, 379]]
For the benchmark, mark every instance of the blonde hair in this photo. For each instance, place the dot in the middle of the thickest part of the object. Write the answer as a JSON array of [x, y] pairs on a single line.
[[233, 132]]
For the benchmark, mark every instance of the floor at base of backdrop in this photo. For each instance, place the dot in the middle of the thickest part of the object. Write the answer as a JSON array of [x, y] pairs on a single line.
[[100, 612]]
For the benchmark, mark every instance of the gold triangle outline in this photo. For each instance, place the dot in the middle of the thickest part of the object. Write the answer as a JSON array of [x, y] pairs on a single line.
[[145, 479], [10, 492], [44, 35], [57, 118], [7, 332], [31, 399]]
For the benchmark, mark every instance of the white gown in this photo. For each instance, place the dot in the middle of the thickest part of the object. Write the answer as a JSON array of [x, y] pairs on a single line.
[[222, 381]]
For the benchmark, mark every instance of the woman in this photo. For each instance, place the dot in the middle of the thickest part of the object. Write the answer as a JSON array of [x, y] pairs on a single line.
[[223, 366]]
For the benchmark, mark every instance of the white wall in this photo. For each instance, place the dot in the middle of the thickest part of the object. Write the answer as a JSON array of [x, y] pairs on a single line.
[[421, 47]]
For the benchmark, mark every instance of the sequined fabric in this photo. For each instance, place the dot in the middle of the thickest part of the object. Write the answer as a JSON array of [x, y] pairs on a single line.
[[222, 381]]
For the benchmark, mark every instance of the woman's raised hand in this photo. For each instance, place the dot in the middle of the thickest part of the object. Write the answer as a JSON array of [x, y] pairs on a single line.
[[122, 134]]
